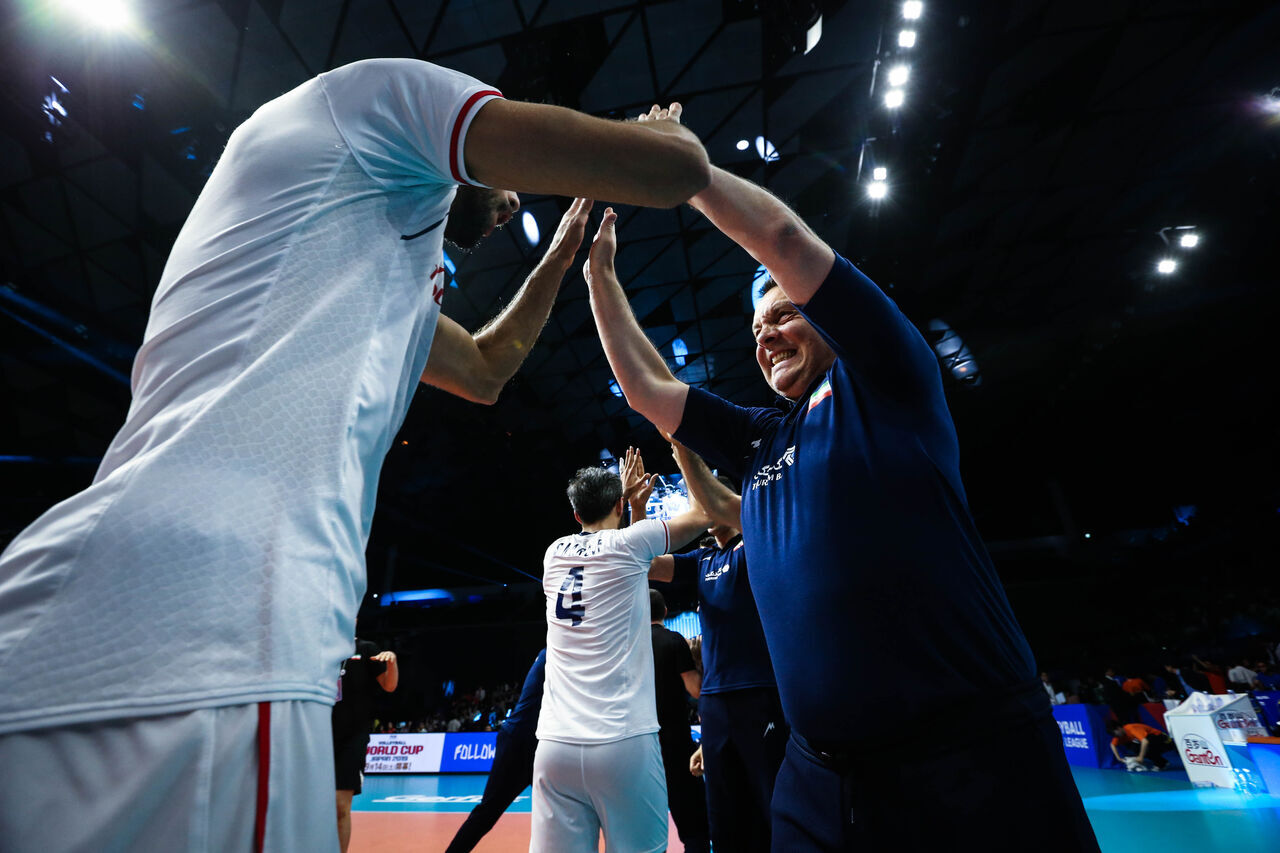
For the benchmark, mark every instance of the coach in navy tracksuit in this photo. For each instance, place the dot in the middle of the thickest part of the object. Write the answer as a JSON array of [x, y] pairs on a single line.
[[883, 614], [512, 770], [743, 731]]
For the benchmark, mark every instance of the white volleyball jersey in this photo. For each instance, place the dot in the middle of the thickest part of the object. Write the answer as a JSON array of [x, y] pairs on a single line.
[[599, 683], [218, 557]]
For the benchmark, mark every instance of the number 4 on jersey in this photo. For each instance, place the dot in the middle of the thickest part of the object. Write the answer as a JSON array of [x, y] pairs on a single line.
[[571, 587]]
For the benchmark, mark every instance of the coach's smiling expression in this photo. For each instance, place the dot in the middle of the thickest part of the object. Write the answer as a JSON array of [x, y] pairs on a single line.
[[790, 352]]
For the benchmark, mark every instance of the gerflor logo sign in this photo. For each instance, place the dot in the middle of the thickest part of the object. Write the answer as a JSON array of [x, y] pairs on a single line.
[[1196, 750]]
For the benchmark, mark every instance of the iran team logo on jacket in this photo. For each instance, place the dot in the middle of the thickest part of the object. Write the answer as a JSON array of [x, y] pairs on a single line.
[[823, 392]]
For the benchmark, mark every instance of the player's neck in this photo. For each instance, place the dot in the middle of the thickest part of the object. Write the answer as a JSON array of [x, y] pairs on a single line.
[[610, 522]]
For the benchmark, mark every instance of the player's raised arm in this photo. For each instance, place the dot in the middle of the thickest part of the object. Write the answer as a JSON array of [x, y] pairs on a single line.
[[643, 376], [637, 486], [721, 504], [476, 367], [686, 526], [539, 148]]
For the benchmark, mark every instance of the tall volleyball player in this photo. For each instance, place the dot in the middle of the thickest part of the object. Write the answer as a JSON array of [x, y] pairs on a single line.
[[598, 764]]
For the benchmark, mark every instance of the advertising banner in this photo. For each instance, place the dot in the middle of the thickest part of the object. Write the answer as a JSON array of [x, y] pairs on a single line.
[[1084, 733], [1203, 726], [1268, 701], [470, 752], [404, 753], [435, 752]]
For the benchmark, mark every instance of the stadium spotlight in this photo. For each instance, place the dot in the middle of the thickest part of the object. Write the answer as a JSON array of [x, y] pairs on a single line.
[[912, 9], [907, 38], [765, 149], [1189, 240], [880, 173], [530, 225], [813, 35], [894, 98], [679, 351], [898, 75], [743, 145], [108, 14], [877, 190], [1166, 266]]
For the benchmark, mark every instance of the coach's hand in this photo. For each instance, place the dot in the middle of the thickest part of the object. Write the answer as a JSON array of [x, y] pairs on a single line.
[[385, 657], [569, 234], [603, 248]]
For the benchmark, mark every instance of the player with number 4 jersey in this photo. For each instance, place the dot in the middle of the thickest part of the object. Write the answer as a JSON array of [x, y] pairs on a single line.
[[598, 764]]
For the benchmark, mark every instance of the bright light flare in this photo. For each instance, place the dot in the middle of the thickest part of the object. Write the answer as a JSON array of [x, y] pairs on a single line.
[[813, 35], [880, 173], [877, 190], [1166, 266], [898, 75], [107, 14], [907, 38], [766, 150], [743, 145], [530, 225], [894, 98], [912, 9], [1189, 241]]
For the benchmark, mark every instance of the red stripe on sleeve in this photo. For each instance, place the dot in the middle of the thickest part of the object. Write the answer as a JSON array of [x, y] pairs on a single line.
[[454, 166], [264, 775]]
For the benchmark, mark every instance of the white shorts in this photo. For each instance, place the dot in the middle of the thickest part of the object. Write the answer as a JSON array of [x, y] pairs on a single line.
[[179, 783], [579, 790]]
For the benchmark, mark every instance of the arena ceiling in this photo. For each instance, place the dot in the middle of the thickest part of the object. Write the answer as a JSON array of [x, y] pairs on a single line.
[[1043, 157]]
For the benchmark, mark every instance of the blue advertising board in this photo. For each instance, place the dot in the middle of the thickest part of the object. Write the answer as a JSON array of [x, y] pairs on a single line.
[[1084, 734], [1268, 702], [468, 752]]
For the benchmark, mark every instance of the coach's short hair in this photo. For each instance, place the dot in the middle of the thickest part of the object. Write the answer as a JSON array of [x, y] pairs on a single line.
[[765, 286], [593, 493], [657, 605]]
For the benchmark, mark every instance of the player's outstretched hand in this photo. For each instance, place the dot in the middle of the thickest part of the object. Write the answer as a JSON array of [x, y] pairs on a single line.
[[603, 248], [569, 233], [636, 484], [695, 762], [385, 657], [657, 113]]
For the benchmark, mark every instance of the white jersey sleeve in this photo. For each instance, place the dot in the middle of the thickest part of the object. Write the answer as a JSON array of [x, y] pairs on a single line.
[[406, 120], [647, 539]]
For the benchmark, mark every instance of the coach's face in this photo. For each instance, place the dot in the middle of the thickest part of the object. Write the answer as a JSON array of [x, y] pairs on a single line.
[[476, 212], [790, 352]]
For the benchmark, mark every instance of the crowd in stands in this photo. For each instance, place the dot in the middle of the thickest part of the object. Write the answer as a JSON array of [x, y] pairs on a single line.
[[1169, 680], [481, 710]]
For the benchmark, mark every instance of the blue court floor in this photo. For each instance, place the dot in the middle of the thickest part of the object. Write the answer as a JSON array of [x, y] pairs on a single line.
[[1130, 811]]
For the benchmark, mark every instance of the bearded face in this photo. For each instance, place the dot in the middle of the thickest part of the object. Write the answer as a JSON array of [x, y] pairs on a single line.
[[476, 212]]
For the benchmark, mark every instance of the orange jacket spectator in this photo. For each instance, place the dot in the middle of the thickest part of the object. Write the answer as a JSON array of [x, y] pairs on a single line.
[[1136, 732], [1134, 686]]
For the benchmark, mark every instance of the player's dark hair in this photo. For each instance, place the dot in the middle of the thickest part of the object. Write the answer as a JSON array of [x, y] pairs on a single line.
[[593, 493], [1114, 725], [657, 605]]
